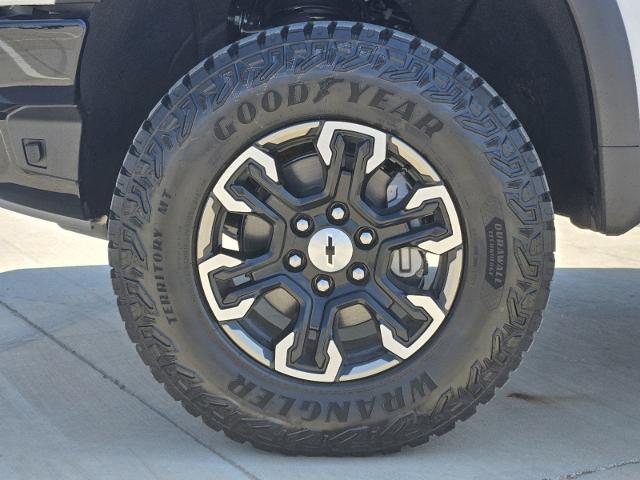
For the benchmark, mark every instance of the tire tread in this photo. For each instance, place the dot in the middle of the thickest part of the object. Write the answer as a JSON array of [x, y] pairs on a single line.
[[139, 176]]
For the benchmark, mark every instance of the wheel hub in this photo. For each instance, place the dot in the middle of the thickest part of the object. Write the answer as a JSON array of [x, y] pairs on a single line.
[[330, 251]]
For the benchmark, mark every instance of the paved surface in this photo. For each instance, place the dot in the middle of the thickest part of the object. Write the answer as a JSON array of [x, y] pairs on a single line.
[[76, 402]]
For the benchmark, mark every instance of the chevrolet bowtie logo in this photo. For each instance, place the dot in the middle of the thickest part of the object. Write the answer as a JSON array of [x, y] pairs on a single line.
[[330, 251]]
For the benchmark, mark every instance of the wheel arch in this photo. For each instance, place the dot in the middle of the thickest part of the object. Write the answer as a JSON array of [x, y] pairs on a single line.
[[554, 62], [531, 52]]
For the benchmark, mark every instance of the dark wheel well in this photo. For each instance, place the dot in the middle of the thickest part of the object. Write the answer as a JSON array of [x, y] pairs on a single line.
[[530, 52]]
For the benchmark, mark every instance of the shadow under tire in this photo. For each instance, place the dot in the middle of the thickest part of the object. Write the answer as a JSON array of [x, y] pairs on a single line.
[[314, 134]]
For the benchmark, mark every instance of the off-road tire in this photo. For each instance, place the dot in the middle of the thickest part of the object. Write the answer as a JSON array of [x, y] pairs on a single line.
[[492, 169]]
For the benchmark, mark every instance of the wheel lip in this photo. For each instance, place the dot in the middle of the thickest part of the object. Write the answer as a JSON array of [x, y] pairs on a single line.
[[349, 376]]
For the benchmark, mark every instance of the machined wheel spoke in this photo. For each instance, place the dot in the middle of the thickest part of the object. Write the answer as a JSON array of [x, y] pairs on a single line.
[[221, 191], [271, 213], [394, 334], [229, 269], [396, 217], [399, 330], [371, 159], [208, 269], [272, 209], [306, 337], [424, 195], [417, 237], [395, 302], [333, 173], [403, 351], [327, 149], [329, 375]]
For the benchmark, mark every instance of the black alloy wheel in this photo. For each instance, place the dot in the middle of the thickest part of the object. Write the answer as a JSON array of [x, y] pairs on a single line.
[[330, 251]]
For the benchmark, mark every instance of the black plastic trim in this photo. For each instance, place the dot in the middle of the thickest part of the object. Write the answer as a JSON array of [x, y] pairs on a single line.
[[95, 228], [39, 62], [40, 52], [616, 115]]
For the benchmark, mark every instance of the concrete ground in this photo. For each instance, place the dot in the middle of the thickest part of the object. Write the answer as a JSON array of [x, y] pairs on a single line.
[[77, 403]]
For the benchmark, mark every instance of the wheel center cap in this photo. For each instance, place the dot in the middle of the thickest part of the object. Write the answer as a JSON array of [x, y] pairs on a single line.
[[330, 250]]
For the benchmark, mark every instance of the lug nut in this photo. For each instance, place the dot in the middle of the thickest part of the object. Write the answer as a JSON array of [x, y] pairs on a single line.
[[295, 261], [338, 213], [366, 238], [358, 273], [303, 225], [323, 284]]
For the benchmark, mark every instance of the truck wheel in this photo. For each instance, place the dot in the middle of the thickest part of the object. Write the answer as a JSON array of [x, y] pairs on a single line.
[[331, 239]]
